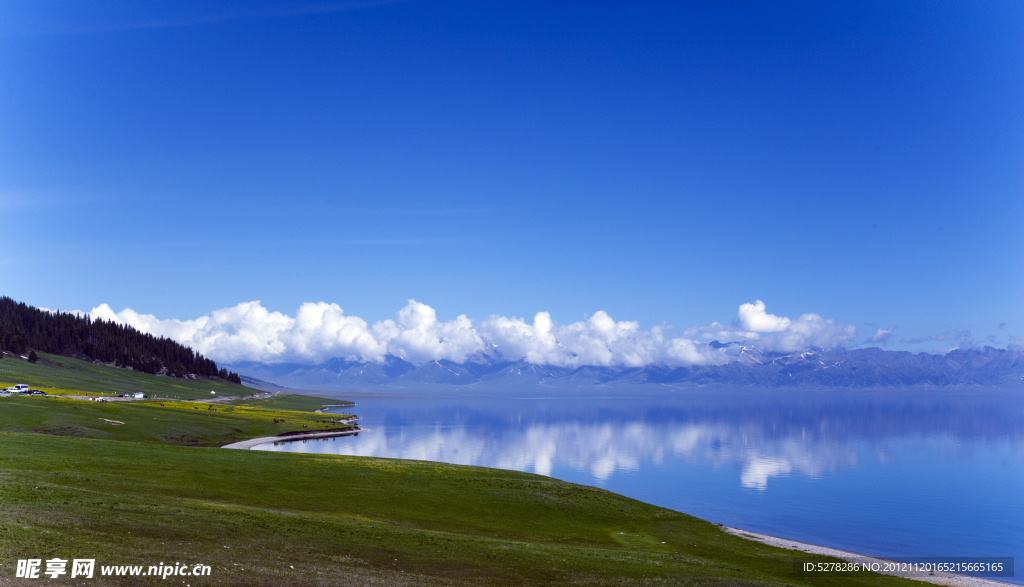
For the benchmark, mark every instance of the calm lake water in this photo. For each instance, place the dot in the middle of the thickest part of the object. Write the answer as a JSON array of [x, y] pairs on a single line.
[[882, 474]]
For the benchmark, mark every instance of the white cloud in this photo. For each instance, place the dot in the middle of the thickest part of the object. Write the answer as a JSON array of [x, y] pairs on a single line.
[[881, 336], [752, 317], [320, 331], [754, 326], [598, 341], [811, 330], [417, 336], [534, 343]]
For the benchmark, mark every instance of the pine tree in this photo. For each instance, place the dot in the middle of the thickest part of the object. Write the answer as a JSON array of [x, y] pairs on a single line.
[[60, 333], [32, 358]]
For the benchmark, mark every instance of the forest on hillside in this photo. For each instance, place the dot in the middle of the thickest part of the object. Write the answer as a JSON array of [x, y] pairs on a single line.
[[24, 328]]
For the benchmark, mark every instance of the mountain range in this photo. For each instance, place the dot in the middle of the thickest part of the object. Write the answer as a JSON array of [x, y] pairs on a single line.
[[815, 368]]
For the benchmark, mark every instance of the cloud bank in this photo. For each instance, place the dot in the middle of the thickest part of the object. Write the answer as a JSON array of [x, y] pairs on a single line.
[[321, 331], [754, 326]]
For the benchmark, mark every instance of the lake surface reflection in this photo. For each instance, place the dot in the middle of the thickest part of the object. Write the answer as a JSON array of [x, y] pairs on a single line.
[[887, 475]]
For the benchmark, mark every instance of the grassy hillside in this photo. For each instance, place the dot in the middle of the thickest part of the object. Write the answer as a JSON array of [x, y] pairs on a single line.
[[261, 518], [56, 374]]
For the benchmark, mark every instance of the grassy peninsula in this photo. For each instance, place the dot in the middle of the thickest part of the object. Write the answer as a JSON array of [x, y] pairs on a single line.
[[76, 485]]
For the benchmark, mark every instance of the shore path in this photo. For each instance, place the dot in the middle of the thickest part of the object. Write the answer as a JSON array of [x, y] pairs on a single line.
[[950, 579], [247, 444]]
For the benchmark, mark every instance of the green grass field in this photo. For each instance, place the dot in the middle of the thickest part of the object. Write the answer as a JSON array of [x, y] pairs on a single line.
[[160, 421], [262, 518], [74, 485]]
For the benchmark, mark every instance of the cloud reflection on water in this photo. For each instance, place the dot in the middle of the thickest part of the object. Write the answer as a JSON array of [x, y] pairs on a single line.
[[599, 449], [760, 437]]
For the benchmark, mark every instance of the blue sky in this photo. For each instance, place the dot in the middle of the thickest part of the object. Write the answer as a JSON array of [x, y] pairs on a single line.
[[661, 162]]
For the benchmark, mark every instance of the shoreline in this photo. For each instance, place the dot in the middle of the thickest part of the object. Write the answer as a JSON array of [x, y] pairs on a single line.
[[324, 408], [940, 578], [248, 444]]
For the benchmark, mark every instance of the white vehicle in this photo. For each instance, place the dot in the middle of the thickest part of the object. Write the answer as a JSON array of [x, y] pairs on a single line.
[[19, 388]]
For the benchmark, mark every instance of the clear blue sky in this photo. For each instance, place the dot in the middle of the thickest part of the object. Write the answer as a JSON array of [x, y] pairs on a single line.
[[664, 162]]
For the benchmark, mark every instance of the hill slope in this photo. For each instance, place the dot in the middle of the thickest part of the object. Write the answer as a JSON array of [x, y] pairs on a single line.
[[65, 375], [265, 518], [24, 328]]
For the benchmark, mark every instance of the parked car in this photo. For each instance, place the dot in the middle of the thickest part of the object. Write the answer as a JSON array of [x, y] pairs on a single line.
[[35, 392]]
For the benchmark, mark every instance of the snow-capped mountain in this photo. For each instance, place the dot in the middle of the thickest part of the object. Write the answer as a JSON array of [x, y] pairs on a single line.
[[816, 368]]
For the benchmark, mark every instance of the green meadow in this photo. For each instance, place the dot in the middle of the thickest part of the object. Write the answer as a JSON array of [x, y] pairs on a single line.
[[154, 488], [185, 423]]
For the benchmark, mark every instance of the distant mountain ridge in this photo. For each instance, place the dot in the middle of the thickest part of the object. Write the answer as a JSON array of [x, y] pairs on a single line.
[[817, 368]]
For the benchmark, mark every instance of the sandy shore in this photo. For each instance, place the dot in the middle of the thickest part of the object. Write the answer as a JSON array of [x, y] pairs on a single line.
[[247, 444], [951, 579]]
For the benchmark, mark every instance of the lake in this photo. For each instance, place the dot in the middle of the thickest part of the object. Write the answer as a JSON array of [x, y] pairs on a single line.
[[885, 474]]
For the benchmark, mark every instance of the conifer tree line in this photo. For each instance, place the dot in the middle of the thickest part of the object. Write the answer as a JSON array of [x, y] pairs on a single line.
[[23, 327]]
